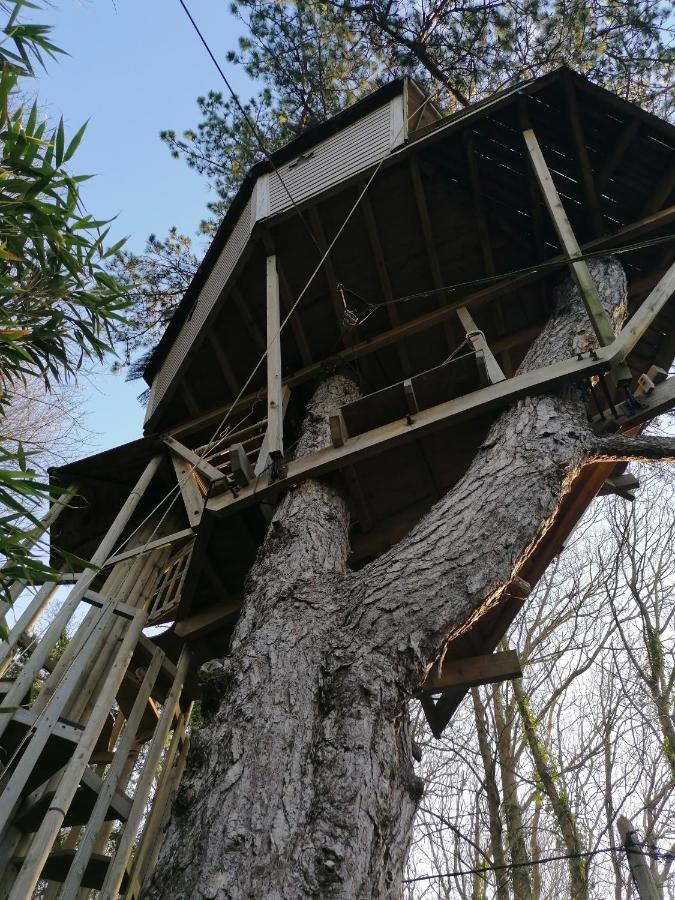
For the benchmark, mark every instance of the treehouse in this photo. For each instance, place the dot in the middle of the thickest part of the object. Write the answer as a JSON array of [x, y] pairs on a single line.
[[414, 251]]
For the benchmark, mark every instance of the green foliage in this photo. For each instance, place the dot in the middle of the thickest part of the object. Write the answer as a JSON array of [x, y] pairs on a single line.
[[153, 282], [58, 302]]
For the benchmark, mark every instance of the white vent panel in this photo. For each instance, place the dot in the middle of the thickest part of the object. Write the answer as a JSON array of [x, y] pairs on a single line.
[[351, 150]]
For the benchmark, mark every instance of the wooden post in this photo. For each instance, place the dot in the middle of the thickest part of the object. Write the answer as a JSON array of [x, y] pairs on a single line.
[[275, 419], [491, 370], [39, 656], [600, 321], [37, 855], [149, 845], [263, 453], [639, 870], [112, 777], [118, 866]]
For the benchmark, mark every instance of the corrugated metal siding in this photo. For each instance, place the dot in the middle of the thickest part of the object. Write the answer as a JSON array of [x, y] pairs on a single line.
[[207, 300], [349, 151]]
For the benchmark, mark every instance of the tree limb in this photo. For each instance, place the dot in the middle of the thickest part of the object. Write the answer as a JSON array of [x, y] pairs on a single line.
[[622, 447]]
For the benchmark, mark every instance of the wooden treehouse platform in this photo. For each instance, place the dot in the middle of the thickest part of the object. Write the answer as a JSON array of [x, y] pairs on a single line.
[[472, 219]]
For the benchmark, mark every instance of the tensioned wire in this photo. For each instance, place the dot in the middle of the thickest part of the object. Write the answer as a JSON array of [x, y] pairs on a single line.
[[656, 852]]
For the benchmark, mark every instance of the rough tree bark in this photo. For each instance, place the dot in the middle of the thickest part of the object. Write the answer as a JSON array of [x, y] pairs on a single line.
[[301, 781]]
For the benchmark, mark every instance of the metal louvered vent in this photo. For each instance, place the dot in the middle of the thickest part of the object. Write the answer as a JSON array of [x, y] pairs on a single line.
[[344, 154]]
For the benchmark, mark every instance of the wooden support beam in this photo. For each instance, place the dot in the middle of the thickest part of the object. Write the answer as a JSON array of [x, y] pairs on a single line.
[[472, 671], [661, 192], [349, 336], [410, 398], [492, 397], [223, 364], [149, 547], [383, 277], [432, 255], [264, 453], [628, 135], [189, 399], [643, 317], [370, 443], [207, 470], [430, 320], [275, 418], [339, 434], [490, 368], [192, 496], [208, 620], [587, 179], [600, 321], [484, 238], [247, 317], [241, 467], [286, 299], [623, 486]]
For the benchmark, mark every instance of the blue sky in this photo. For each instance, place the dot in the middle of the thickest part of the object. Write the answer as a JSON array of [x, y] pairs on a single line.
[[134, 67]]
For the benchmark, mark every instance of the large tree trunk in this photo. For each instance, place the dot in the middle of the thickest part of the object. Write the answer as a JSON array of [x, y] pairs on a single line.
[[301, 783]]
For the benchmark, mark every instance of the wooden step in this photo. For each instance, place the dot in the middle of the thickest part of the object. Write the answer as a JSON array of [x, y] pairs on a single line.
[[56, 753], [32, 812], [59, 862]]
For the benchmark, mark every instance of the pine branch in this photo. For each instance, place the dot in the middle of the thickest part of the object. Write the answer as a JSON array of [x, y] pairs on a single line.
[[645, 448]]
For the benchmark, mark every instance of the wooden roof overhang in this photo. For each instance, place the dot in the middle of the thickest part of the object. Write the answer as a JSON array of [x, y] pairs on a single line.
[[456, 203]]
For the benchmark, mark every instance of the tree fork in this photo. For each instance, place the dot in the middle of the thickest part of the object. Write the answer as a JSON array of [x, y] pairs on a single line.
[[301, 782]]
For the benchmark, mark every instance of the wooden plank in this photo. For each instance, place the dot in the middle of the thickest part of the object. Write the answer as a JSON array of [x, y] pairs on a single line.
[[149, 546], [109, 784], [129, 830], [587, 179], [223, 363], [189, 489], [431, 319], [263, 453], [432, 255], [240, 465], [44, 839], [339, 433], [472, 671], [600, 321], [477, 340], [646, 313], [206, 469], [401, 431], [275, 419], [207, 620], [613, 161]]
